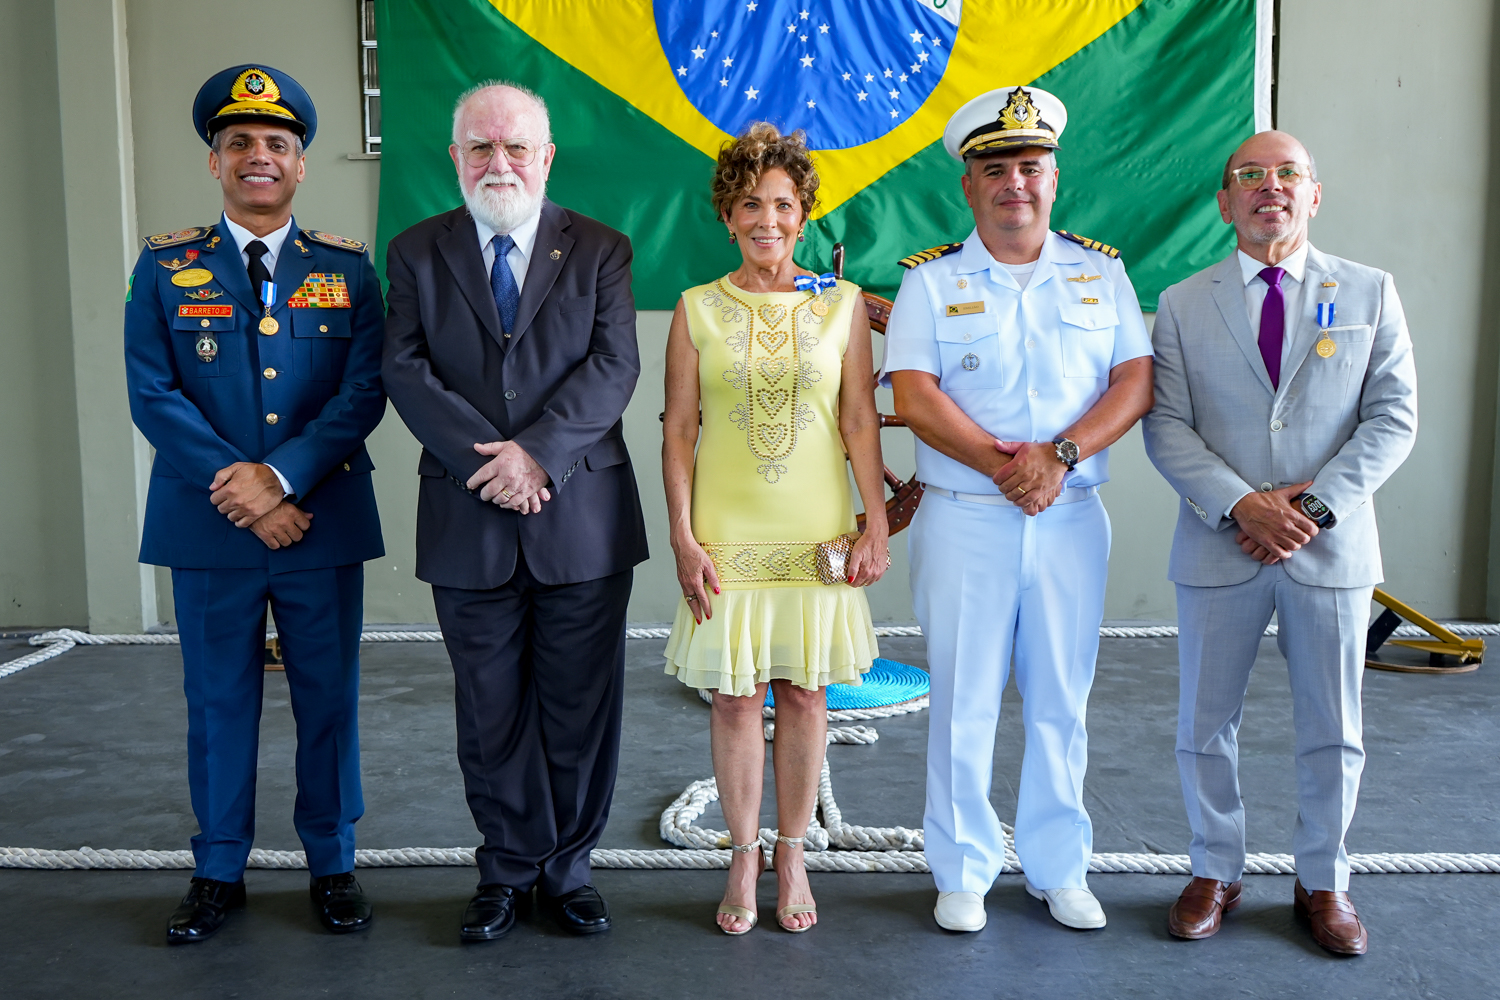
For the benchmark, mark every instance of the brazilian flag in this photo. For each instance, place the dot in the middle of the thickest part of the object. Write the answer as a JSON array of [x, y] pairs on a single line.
[[642, 95]]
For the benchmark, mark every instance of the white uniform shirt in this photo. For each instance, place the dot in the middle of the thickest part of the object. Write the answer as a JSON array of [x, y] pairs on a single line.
[[519, 257], [1028, 365]]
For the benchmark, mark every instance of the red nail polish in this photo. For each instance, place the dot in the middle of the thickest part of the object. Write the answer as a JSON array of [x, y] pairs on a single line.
[[716, 590]]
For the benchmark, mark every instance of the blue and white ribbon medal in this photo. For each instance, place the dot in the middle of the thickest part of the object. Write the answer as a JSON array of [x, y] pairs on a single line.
[[823, 282], [1326, 346], [268, 324]]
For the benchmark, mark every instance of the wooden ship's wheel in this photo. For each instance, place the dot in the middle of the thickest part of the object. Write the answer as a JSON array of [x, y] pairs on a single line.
[[905, 494]]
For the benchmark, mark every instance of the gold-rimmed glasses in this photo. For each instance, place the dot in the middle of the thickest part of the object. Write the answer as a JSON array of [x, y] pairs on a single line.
[[1287, 174], [479, 152]]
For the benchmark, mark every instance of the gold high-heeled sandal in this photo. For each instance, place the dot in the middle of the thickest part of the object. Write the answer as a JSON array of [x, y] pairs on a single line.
[[739, 911], [792, 909]]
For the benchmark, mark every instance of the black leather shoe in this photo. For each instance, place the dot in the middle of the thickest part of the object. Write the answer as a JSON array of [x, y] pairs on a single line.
[[582, 911], [201, 913], [341, 904], [491, 913]]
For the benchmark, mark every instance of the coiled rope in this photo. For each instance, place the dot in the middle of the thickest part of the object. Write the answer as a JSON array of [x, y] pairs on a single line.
[[833, 845]]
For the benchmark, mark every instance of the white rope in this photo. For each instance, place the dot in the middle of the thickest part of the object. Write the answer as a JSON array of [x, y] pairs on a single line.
[[827, 861]]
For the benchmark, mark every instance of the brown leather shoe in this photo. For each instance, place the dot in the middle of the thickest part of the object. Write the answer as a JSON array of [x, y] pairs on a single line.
[[1201, 908], [1335, 924]]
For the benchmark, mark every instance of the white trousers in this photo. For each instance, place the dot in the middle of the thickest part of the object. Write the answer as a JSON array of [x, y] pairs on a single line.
[[1321, 632], [990, 584]]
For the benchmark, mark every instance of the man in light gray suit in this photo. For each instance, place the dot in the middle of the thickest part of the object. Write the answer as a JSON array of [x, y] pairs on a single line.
[[1285, 396]]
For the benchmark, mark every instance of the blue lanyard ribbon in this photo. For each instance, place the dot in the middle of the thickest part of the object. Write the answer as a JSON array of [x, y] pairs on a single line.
[[1325, 314], [807, 283], [268, 294]]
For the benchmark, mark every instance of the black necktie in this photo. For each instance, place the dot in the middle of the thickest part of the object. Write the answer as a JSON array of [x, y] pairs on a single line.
[[258, 273]]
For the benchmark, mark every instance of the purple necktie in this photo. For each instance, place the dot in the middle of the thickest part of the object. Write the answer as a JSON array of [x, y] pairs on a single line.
[[1273, 323]]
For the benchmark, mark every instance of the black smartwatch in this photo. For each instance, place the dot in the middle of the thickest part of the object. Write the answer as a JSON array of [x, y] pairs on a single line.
[[1316, 510], [1067, 452]]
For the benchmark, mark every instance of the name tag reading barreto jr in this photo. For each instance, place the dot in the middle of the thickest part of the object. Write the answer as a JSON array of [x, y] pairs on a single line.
[[965, 308]]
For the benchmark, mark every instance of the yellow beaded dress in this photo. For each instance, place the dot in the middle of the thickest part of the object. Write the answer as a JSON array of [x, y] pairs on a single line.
[[769, 483]]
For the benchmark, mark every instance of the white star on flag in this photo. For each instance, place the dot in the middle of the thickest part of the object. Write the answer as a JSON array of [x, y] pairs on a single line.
[[846, 77], [751, 7], [713, 34], [698, 52], [902, 78], [916, 36], [869, 78], [812, 104], [861, 95], [823, 28], [921, 57], [803, 37], [895, 94], [791, 28], [804, 15], [807, 61], [751, 93], [893, 114], [916, 67], [682, 71], [730, 62], [887, 74], [723, 81]]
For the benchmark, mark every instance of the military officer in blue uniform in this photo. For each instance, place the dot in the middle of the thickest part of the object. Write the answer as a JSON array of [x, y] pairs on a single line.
[[252, 351], [1017, 357]]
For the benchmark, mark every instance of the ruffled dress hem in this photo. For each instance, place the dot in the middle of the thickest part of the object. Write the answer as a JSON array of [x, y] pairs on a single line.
[[811, 636]]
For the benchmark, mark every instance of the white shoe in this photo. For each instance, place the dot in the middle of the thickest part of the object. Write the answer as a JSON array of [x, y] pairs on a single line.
[[960, 911], [1075, 908]]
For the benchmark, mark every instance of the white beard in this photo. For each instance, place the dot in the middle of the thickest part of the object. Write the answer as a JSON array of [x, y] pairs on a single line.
[[502, 207]]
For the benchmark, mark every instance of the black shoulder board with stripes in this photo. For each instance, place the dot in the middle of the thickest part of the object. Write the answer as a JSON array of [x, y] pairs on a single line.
[[1089, 244], [931, 253]]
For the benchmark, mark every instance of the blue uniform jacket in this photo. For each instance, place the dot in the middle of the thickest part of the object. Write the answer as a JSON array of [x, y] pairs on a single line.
[[319, 374]]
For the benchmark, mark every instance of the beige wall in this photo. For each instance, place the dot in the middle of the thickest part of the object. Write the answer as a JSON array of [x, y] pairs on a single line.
[[1397, 109], [41, 551]]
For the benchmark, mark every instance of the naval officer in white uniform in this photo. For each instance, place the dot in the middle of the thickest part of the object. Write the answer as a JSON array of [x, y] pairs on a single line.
[[1017, 357]]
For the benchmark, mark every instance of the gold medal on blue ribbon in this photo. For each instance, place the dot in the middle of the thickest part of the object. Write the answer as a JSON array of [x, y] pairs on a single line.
[[268, 324], [1326, 347]]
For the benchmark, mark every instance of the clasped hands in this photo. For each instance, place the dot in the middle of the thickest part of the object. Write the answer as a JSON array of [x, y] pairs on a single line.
[[1033, 478], [250, 495], [1271, 526], [511, 479]]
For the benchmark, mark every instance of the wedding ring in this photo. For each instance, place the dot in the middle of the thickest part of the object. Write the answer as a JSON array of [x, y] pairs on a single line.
[[692, 598], [506, 494]]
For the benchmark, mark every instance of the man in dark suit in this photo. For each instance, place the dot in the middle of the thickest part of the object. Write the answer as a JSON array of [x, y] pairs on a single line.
[[510, 352], [252, 353]]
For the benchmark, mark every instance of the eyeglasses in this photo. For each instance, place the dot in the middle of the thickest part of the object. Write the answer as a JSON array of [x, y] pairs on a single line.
[[479, 152], [1288, 174]]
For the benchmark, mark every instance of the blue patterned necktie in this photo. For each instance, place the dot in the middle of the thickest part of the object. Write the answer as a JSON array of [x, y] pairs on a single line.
[[503, 283]]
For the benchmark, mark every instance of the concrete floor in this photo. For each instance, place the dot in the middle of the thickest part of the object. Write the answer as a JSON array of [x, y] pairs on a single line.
[[91, 754]]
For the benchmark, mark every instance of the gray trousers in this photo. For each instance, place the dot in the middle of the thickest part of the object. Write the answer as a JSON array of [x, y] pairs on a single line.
[[1322, 636]]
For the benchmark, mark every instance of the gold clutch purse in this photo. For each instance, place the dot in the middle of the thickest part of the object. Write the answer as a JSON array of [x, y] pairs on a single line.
[[833, 558]]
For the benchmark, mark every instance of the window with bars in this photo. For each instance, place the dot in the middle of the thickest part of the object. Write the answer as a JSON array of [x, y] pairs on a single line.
[[369, 77]]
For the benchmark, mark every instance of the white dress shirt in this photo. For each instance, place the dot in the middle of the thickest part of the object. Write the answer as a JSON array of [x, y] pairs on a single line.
[[519, 257], [1291, 290], [273, 241]]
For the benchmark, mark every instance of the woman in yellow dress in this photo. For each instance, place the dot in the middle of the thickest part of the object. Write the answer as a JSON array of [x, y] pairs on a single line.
[[777, 364]]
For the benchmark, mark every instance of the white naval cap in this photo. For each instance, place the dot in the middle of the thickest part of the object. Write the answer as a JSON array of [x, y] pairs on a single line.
[[1006, 118]]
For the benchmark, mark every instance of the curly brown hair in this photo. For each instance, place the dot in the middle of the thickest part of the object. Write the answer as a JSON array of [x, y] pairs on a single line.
[[759, 148]]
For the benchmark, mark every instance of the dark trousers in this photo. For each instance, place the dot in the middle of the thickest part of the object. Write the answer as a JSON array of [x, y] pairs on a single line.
[[539, 685], [221, 618]]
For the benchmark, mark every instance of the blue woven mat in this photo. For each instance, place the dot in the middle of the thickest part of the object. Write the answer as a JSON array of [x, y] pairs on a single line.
[[887, 683]]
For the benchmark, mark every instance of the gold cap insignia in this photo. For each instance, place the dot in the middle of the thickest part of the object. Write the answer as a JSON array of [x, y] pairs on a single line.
[[254, 90]]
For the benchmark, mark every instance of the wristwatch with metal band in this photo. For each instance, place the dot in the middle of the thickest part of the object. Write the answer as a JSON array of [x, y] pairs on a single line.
[[1067, 452], [1316, 510]]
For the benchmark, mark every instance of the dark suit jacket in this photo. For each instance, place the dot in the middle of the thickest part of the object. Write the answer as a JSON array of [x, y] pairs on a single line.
[[558, 388], [203, 412]]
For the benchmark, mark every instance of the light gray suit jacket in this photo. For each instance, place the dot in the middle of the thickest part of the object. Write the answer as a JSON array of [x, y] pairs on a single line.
[[1218, 429]]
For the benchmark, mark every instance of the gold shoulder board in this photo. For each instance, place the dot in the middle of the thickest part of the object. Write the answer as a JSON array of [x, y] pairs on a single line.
[[931, 253], [165, 240], [342, 242], [1089, 244]]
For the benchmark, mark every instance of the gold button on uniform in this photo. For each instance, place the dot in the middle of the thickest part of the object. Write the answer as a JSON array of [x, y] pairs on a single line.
[[204, 323], [322, 329], [269, 373], [271, 418], [346, 466]]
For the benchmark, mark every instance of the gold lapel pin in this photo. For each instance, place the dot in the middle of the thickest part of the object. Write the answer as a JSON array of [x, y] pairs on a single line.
[[557, 255]]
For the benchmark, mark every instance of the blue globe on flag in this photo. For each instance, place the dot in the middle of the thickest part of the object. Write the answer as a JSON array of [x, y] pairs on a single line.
[[846, 73]]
